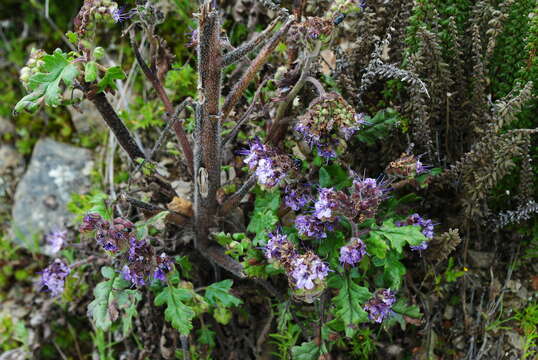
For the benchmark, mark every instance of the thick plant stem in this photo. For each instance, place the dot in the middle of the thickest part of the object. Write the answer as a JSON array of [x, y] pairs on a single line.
[[157, 85], [115, 124], [207, 146]]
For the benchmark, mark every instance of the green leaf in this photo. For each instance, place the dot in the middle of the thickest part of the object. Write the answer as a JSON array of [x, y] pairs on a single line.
[[45, 86], [307, 351], [379, 126], [269, 200], [349, 302], [206, 336], [177, 313], [90, 71], [73, 37], [399, 236], [324, 178], [108, 295], [394, 270], [260, 223], [111, 75], [219, 294], [401, 307], [376, 246]]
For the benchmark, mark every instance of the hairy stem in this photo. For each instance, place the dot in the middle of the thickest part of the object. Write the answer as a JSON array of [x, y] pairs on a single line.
[[115, 124], [207, 147], [237, 92], [234, 56]]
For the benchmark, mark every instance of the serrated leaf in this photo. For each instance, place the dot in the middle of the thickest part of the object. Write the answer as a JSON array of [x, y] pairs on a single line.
[[399, 236], [90, 71], [266, 199], [307, 351], [219, 294], [109, 79], [376, 245], [394, 271], [177, 313], [106, 295], [45, 86], [260, 223], [206, 336], [349, 302]]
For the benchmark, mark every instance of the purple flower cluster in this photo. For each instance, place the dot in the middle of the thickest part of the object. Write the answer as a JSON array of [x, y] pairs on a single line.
[[279, 249], [326, 204], [139, 257], [111, 236], [56, 240], [353, 252], [306, 271], [53, 277], [270, 167], [311, 226], [366, 196], [297, 196], [328, 118], [426, 225], [379, 307]]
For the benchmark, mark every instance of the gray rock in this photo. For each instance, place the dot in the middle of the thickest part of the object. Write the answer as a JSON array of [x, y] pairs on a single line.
[[481, 259], [11, 167], [85, 117], [6, 126], [55, 172]]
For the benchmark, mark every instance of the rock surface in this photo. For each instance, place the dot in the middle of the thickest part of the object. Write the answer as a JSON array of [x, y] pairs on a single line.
[[55, 172]]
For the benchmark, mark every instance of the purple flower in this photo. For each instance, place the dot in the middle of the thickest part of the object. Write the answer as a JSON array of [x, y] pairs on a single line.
[[269, 165], [326, 204], [164, 265], [132, 274], [366, 195], [53, 277], [55, 240], [352, 253], [379, 307], [90, 222], [310, 226], [120, 15], [306, 269], [193, 38], [296, 197], [279, 248]]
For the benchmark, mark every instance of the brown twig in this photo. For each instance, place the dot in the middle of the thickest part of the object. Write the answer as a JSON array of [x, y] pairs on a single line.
[[234, 56], [169, 108], [233, 200], [239, 88]]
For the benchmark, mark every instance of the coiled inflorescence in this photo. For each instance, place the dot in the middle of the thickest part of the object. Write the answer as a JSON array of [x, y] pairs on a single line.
[[269, 165], [380, 306], [119, 237], [53, 277], [329, 118], [307, 272], [353, 252]]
